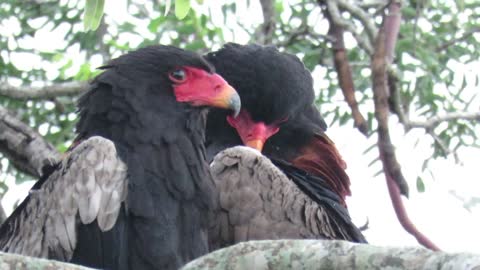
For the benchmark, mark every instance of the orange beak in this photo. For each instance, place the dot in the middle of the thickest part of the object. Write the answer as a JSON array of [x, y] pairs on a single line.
[[226, 98], [255, 144]]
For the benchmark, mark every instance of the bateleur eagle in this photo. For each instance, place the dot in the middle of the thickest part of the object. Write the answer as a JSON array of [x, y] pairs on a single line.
[[134, 191], [279, 118]]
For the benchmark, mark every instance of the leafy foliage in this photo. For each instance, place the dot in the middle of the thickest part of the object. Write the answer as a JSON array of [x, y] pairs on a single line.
[[181, 8], [93, 14]]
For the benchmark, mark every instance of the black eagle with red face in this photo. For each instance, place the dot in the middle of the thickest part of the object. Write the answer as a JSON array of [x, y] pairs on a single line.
[[279, 118], [144, 118]]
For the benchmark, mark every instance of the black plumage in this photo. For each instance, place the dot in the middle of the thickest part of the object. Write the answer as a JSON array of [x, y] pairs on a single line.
[[169, 194], [277, 93], [274, 86], [154, 139]]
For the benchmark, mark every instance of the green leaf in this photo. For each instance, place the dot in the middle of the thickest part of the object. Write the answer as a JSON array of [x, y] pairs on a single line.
[[425, 164], [155, 23], [186, 29], [62, 148], [279, 7], [375, 160], [344, 119], [200, 2], [370, 148], [93, 14], [420, 185], [84, 73], [181, 8], [378, 173], [195, 45]]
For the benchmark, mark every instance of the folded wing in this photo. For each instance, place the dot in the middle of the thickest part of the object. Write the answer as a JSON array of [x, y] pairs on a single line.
[[88, 185], [259, 201]]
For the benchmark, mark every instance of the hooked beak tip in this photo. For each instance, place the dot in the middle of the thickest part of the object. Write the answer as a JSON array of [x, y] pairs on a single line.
[[235, 104]]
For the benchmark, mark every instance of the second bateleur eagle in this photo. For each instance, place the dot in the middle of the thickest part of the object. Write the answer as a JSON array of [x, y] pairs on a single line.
[[134, 191], [306, 198]]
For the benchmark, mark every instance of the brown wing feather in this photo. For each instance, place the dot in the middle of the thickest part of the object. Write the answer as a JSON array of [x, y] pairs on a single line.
[[88, 185], [320, 157], [259, 202]]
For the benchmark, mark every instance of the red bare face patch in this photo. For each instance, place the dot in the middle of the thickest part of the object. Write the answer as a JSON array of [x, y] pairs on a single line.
[[200, 88], [253, 134]]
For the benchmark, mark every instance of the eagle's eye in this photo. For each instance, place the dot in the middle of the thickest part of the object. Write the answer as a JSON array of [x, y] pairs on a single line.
[[178, 75]]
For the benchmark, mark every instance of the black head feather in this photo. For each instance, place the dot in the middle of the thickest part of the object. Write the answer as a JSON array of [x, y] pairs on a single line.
[[135, 91], [272, 85], [158, 59]]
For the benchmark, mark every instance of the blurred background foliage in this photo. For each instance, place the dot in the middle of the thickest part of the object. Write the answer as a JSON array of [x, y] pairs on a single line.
[[436, 58]]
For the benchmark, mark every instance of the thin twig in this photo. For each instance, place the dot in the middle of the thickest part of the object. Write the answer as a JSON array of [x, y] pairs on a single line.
[[372, 4], [434, 121], [443, 145], [3, 215], [455, 40], [44, 92], [430, 124], [104, 49], [364, 43], [265, 32], [362, 16]]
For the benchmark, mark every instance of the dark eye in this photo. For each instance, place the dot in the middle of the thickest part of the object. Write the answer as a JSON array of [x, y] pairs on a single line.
[[178, 76]]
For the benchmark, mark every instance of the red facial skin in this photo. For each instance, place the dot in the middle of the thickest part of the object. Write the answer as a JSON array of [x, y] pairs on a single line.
[[253, 134], [200, 88]]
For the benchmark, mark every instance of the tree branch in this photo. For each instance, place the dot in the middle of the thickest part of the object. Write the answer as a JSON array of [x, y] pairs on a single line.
[[332, 7], [387, 151], [329, 254], [436, 120], [23, 146], [3, 215], [395, 99], [395, 180], [402, 215], [19, 262], [302, 32], [443, 145], [455, 40], [265, 32], [104, 48], [344, 72], [49, 91], [372, 4], [392, 22], [362, 16], [429, 125]]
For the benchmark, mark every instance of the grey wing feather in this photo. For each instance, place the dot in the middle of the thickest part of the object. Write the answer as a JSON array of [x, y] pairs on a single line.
[[257, 201], [89, 184]]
